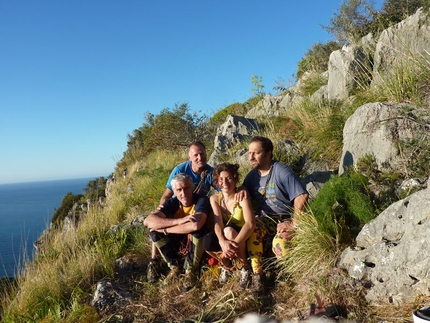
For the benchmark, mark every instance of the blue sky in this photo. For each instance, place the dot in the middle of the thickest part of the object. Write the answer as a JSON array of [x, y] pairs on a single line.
[[77, 76]]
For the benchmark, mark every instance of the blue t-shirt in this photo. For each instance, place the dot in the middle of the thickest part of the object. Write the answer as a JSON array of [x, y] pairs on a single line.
[[283, 187], [202, 188]]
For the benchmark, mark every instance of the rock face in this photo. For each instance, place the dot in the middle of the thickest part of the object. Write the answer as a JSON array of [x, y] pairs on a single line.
[[232, 132], [268, 106], [347, 70], [376, 129], [404, 43], [392, 252]]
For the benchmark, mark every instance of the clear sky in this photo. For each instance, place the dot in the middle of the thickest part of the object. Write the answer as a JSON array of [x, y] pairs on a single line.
[[76, 76]]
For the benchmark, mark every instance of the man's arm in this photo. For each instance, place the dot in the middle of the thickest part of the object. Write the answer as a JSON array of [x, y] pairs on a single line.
[[190, 224], [157, 221], [299, 206], [168, 193]]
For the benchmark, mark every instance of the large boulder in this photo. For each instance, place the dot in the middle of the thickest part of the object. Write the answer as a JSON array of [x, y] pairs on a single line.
[[268, 106], [405, 43], [231, 133], [392, 253], [376, 129], [349, 68]]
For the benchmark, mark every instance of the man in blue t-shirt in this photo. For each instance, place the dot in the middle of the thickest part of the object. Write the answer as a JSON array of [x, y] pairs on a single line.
[[179, 227], [276, 190], [196, 167], [201, 174]]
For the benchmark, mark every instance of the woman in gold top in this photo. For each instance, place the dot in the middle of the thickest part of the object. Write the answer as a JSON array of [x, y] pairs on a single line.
[[234, 222]]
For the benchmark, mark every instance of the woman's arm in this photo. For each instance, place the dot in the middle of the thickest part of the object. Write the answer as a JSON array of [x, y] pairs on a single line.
[[228, 247], [249, 217]]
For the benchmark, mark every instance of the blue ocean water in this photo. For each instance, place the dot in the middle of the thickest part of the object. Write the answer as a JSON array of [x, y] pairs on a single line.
[[26, 210]]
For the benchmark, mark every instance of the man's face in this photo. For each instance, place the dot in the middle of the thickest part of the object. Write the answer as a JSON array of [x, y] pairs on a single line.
[[257, 157], [184, 192], [198, 156]]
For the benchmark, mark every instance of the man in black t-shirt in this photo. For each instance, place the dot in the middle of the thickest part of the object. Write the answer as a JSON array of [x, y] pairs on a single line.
[[179, 227]]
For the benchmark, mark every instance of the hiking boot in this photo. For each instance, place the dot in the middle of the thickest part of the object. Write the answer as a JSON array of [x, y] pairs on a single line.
[[223, 276], [190, 280], [257, 286], [153, 271], [245, 276], [172, 276]]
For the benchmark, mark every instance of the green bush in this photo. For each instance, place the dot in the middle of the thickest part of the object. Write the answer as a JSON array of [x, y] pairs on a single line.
[[66, 205], [342, 207], [311, 84], [235, 109], [170, 129], [316, 58], [95, 188]]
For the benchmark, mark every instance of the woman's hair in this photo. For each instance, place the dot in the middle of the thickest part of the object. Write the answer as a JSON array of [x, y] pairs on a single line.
[[232, 169]]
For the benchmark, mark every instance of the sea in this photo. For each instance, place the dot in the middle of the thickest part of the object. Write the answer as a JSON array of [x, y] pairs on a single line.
[[26, 210]]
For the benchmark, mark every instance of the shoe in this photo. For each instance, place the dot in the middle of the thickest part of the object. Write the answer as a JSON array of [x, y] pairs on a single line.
[[245, 276], [153, 271], [190, 280], [223, 276], [257, 286], [172, 276]]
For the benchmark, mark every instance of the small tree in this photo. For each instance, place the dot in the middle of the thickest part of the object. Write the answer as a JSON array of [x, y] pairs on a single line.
[[394, 11], [258, 89], [95, 188], [170, 129], [352, 21]]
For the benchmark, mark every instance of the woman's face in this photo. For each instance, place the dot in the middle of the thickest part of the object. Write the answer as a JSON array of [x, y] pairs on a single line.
[[226, 182]]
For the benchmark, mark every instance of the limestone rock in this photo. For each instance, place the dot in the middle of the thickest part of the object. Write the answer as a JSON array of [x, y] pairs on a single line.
[[392, 252], [404, 43], [376, 129]]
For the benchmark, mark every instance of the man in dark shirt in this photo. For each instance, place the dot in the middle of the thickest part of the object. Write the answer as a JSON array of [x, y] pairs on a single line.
[[179, 226]]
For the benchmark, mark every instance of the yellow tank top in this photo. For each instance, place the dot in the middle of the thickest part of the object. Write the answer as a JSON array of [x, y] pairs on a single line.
[[236, 218]]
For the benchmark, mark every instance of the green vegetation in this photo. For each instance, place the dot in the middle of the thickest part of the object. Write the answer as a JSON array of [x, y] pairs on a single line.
[[169, 130], [357, 18], [71, 203], [316, 58], [342, 207], [258, 89], [319, 126], [235, 109]]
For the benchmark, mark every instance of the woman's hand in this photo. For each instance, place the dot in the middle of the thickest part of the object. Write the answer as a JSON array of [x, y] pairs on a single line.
[[228, 248]]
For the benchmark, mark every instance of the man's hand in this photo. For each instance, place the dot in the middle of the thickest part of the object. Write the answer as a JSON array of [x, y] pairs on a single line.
[[241, 194], [285, 229]]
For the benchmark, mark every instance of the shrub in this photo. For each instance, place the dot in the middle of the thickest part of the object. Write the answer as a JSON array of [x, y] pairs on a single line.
[[66, 205], [234, 109], [319, 127], [311, 84], [183, 127], [342, 207], [351, 21], [316, 58]]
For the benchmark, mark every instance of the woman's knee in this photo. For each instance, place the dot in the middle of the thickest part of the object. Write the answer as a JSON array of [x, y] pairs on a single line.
[[230, 233]]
